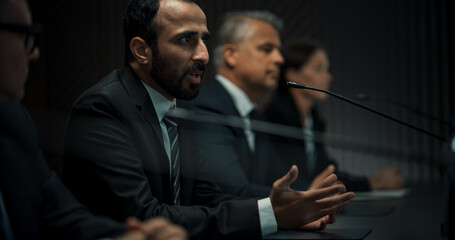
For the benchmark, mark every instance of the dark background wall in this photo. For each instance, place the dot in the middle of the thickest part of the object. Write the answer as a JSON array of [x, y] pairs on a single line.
[[402, 50]]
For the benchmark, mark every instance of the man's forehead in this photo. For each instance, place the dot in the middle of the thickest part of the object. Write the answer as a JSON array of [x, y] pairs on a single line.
[[263, 33], [181, 13]]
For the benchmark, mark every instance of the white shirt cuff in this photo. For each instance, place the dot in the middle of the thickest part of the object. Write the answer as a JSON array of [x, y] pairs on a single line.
[[267, 217]]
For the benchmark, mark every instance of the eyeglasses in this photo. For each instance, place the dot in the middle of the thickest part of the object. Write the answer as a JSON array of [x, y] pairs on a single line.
[[32, 33]]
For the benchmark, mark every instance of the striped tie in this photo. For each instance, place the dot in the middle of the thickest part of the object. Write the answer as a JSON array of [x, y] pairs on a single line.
[[172, 130]]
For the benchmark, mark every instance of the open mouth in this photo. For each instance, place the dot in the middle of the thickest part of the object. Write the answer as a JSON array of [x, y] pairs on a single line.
[[195, 76]]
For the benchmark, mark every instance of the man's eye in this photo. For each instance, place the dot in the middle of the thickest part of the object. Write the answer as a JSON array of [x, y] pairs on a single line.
[[185, 39], [267, 49]]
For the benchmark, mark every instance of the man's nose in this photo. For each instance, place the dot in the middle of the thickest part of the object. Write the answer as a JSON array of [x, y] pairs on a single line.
[[278, 57], [202, 54]]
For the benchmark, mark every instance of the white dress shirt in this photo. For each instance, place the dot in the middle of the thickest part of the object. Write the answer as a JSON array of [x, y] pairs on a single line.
[[162, 106], [308, 135], [243, 105]]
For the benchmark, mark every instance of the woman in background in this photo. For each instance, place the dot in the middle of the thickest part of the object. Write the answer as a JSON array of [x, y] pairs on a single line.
[[307, 63]]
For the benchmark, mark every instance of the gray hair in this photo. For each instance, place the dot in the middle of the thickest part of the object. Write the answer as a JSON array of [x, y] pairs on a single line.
[[235, 25]]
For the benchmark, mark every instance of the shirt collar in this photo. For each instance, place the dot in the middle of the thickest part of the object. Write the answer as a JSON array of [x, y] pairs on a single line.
[[242, 102], [162, 104]]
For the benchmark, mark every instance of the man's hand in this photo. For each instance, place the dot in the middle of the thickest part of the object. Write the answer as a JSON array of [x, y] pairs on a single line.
[[323, 175], [295, 209], [388, 178], [321, 223], [153, 229]]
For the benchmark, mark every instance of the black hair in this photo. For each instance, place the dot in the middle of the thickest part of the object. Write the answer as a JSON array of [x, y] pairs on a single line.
[[139, 21]]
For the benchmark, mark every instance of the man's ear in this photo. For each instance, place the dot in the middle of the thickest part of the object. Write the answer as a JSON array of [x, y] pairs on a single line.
[[230, 54], [140, 50]]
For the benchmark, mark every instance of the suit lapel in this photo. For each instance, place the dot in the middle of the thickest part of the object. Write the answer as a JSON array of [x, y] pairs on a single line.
[[221, 100], [140, 97], [231, 109]]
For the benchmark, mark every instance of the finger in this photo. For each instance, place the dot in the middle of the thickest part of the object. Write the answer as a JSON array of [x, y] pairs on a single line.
[[172, 232], [323, 175], [133, 223], [327, 171], [339, 210], [335, 208], [318, 194], [316, 225], [331, 218], [153, 227], [286, 180], [336, 200], [328, 181]]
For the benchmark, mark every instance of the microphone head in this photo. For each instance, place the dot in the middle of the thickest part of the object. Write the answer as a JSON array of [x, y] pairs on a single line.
[[295, 85]]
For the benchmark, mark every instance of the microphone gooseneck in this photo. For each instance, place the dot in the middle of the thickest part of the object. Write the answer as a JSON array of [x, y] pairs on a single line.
[[366, 97], [301, 86]]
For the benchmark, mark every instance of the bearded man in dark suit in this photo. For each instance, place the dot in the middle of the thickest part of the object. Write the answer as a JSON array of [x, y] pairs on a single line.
[[125, 156]]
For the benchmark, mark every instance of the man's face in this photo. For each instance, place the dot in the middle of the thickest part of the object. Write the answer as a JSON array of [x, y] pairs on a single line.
[[259, 58], [13, 57], [179, 61]]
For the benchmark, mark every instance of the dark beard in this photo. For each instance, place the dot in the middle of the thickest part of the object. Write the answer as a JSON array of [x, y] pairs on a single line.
[[170, 82]]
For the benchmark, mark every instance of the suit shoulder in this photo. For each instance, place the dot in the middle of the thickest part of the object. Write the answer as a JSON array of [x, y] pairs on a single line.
[[111, 84], [212, 97], [108, 90]]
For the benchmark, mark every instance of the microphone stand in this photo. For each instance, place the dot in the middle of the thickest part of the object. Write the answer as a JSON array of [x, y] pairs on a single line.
[[301, 86]]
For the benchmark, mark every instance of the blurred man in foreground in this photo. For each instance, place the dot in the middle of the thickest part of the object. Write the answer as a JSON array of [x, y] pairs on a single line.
[[34, 204]]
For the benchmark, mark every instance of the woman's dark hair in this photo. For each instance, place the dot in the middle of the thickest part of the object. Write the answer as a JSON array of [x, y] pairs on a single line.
[[296, 53]]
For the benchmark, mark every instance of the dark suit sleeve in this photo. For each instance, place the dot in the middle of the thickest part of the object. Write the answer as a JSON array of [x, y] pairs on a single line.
[[106, 171], [220, 147], [65, 218], [38, 204]]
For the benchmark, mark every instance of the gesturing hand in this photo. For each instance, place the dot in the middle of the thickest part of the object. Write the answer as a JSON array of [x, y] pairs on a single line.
[[294, 209], [317, 181]]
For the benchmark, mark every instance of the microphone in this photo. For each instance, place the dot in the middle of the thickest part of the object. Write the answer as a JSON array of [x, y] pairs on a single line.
[[365, 97], [301, 86]]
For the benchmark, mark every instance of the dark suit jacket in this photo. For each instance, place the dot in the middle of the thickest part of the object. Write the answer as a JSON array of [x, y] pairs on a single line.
[[284, 111], [233, 166], [116, 164], [38, 204]]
